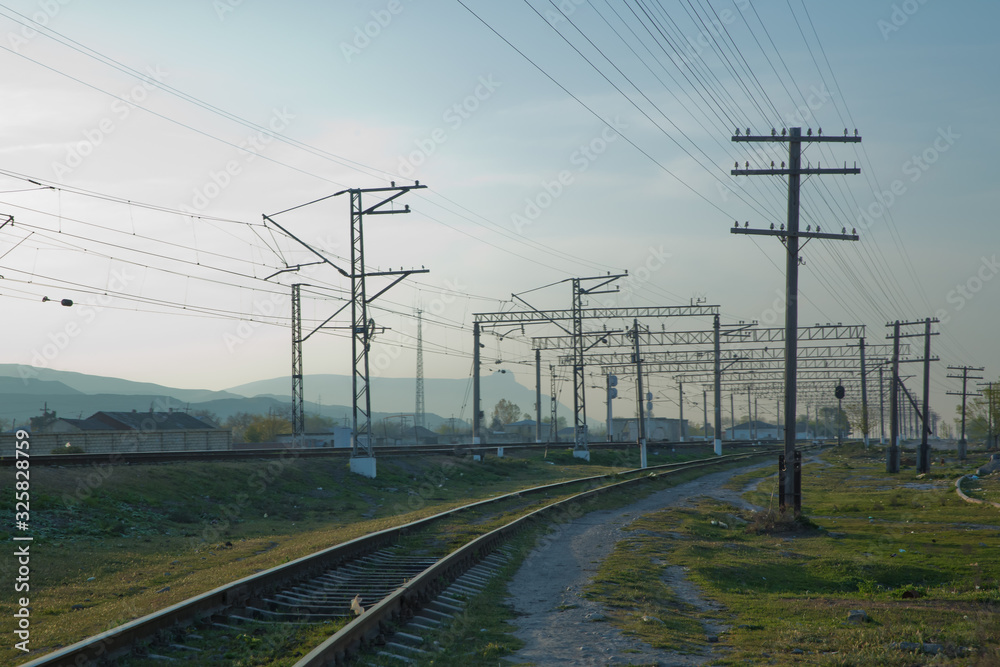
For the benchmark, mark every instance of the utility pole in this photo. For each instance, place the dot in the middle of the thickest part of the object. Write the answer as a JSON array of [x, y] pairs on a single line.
[[840, 411], [362, 327], [298, 400], [881, 407], [418, 417], [704, 403], [892, 454], [865, 426], [640, 396], [790, 238], [962, 443], [538, 396], [580, 449], [717, 367], [477, 412], [680, 402], [923, 454], [553, 426], [612, 394], [990, 436], [732, 415]]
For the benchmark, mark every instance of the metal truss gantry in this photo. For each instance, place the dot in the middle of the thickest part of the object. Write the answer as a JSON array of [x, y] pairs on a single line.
[[579, 341]]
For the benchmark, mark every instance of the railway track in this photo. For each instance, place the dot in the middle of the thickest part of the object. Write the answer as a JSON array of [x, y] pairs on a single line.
[[393, 574], [136, 458]]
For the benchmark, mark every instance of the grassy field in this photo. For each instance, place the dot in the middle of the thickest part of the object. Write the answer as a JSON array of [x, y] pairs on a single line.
[[115, 543], [922, 564]]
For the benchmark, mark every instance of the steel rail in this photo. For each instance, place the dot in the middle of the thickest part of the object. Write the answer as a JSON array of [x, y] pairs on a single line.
[[132, 458]]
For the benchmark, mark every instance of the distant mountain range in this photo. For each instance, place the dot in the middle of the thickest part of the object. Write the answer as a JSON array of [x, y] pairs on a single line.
[[25, 391]]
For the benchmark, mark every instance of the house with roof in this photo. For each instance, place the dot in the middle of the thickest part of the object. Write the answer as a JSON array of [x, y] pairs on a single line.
[[110, 432]]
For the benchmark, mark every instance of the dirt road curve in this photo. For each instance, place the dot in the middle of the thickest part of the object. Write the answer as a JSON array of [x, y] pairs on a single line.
[[554, 574]]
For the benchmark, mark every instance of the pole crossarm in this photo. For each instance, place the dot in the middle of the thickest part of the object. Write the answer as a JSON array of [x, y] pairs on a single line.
[[780, 232], [775, 138]]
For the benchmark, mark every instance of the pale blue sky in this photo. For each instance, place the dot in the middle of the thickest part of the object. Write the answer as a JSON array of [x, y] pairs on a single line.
[[298, 67]]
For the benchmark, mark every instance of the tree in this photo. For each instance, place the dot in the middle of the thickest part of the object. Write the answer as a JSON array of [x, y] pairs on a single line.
[[560, 422], [977, 416], [504, 412], [316, 423], [238, 423], [43, 421], [857, 418], [266, 428]]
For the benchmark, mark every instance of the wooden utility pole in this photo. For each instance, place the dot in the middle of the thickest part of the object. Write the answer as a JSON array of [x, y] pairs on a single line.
[[790, 237]]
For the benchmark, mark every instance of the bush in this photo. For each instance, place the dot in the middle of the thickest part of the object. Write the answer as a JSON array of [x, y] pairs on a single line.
[[68, 449]]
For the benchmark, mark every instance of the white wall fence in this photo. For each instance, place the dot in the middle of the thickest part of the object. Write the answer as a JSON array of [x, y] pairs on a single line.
[[110, 442]]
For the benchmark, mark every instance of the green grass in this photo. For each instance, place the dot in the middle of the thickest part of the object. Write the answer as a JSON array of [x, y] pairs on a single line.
[[924, 565]]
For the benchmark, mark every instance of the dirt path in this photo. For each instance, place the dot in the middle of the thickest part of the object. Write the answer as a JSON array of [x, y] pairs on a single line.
[[548, 585]]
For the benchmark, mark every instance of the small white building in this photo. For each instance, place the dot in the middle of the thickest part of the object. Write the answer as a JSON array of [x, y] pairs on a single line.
[[339, 437], [754, 430], [657, 429]]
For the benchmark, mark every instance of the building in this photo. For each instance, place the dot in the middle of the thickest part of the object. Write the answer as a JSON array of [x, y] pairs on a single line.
[[127, 432], [658, 429], [339, 437], [754, 430], [524, 430]]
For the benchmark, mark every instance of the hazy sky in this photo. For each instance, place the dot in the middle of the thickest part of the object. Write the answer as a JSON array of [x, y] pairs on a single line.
[[557, 139]]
